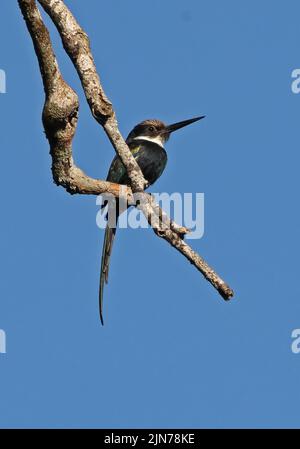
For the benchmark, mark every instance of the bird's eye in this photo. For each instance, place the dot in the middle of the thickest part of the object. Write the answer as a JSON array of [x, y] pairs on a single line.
[[151, 128]]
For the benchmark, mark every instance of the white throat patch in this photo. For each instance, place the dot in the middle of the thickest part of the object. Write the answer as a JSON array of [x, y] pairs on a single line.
[[158, 140]]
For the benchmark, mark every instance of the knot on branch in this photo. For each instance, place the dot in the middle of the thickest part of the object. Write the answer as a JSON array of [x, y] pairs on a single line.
[[101, 115], [75, 43], [60, 113]]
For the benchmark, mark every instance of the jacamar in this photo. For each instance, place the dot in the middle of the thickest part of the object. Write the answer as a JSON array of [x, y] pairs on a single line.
[[146, 143]]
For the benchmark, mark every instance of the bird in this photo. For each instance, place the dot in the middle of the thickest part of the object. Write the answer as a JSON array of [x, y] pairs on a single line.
[[146, 142]]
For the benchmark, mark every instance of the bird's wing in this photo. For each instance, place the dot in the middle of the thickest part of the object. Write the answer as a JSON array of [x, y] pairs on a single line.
[[117, 171]]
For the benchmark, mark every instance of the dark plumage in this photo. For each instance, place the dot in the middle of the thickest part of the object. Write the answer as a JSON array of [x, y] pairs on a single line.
[[151, 157], [146, 142]]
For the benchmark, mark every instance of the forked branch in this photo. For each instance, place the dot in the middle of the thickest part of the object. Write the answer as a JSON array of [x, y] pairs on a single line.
[[60, 116]]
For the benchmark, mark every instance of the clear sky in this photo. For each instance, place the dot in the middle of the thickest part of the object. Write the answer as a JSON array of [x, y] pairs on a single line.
[[172, 353]]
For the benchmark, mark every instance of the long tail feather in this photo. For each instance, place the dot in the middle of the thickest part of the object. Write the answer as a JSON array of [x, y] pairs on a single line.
[[106, 253]]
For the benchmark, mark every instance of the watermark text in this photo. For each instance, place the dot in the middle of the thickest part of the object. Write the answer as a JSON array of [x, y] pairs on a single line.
[[2, 342], [295, 346], [186, 210], [2, 82], [295, 86]]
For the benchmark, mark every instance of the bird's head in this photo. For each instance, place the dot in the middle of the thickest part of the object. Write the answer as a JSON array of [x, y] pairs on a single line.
[[157, 131]]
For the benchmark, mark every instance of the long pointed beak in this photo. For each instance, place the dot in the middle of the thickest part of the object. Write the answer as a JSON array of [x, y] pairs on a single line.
[[178, 125]]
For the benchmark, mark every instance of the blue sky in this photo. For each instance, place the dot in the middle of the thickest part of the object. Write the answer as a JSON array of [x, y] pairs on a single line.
[[172, 353]]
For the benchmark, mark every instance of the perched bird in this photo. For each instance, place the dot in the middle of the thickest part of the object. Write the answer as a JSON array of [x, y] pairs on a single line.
[[146, 142]]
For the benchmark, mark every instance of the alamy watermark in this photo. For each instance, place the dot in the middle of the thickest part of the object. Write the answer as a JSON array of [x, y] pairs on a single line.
[[2, 82], [295, 346], [295, 86], [185, 209], [2, 342]]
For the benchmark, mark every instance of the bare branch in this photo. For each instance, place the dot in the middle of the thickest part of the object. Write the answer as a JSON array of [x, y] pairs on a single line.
[[181, 231], [170, 232], [60, 117], [60, 113], [77, 45]]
